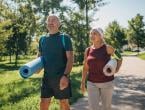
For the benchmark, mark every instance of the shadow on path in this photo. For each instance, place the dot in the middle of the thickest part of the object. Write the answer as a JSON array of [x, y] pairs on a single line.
[[129, 94], [130, 91]]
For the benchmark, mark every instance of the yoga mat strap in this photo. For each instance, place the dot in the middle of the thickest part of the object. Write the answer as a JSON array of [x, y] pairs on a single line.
[[42, 39], [117, 55]]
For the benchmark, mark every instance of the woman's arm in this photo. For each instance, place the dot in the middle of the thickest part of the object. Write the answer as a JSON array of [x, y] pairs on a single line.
[[84, 72], [111, 51], [85, 67]]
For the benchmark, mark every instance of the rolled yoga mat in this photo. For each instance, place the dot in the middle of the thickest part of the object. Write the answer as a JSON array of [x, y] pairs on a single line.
[[31, 67], [110, 67]]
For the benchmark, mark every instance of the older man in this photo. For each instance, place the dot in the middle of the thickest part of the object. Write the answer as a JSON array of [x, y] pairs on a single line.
[[56, 49]]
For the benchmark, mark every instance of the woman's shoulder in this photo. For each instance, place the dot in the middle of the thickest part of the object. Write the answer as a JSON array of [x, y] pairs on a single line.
[[87, 50], [110, 49]]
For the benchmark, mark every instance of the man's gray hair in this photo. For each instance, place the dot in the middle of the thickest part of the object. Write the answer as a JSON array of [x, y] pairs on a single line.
[[53, 15]]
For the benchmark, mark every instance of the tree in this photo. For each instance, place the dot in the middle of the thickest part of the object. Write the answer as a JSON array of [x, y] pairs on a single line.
[[136, 31], [115, 35], [86, 6], [75, 28], [5, 32], [44, 7]]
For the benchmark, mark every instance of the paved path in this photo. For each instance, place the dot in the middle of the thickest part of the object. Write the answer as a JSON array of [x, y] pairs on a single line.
[[129, 93]]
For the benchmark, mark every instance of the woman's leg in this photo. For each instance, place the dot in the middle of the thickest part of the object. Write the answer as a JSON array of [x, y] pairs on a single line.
[[93, 96], [106, 95]]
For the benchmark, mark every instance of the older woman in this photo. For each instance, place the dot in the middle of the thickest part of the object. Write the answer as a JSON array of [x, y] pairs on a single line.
[[96, 57]]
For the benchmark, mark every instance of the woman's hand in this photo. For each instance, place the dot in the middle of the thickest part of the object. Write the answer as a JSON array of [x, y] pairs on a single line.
[[83, 88]]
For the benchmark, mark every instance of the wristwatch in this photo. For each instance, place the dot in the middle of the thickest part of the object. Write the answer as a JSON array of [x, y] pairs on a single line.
[[66, 75]]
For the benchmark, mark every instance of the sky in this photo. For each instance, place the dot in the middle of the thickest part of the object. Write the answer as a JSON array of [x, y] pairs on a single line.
[[119, 10]]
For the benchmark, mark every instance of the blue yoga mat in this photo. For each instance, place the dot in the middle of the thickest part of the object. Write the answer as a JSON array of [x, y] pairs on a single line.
[[31, 67]]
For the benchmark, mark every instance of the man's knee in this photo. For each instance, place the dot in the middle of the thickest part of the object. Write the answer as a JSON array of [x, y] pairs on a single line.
[[65, 104], [45, 102], [64, 101]]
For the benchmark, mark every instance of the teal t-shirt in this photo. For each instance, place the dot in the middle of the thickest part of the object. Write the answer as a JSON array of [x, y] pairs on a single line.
[[54, 53]]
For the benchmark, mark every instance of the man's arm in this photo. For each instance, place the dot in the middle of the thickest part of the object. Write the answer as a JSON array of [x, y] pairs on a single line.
[[64, 81], [38, 54], [70, 58]]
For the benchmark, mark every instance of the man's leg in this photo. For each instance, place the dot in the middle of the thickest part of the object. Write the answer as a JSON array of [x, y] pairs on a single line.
[[45, 103], [64, 104]]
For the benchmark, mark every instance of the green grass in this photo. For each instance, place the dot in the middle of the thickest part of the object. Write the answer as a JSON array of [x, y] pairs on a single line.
[[24, 94], [142, 56], [128, 53]]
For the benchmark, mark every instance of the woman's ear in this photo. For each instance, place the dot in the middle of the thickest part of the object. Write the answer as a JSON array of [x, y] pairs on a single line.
[[60, 26]]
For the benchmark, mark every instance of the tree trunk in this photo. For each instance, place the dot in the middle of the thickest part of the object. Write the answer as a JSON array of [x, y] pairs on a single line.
[[10, 57], [138, 46], [87, 23], [16, 59], [16, 53]]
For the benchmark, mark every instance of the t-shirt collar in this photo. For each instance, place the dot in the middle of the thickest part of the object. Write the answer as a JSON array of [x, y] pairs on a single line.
[[56, 34]]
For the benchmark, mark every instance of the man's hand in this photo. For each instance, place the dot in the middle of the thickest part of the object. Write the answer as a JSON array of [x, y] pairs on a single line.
[[38, 71], [64, 81]]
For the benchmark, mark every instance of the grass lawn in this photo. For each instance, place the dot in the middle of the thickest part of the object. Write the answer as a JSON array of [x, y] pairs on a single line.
[[128, 53], [24, 94], [142, 56]]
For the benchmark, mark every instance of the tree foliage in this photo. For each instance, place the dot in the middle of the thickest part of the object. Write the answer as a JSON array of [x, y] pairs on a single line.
[[4, 33], [75, 28], [115, 35], [86, 6], [21, 21], [136, 31]]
